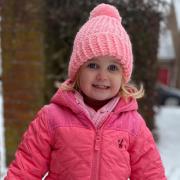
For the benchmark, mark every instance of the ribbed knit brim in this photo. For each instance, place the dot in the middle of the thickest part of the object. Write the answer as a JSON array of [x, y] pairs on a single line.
[[102, 35]]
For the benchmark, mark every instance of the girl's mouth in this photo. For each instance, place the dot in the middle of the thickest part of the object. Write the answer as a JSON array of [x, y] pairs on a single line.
[[101, 86]]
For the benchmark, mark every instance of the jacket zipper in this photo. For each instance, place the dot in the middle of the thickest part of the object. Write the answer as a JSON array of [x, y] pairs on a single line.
[[96, 149], [96, 157]]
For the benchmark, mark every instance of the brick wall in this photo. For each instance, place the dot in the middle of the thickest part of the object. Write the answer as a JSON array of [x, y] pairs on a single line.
[[23, 67]]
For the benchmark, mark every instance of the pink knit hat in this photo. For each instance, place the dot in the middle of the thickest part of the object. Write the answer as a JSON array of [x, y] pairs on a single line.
[[102, 35]]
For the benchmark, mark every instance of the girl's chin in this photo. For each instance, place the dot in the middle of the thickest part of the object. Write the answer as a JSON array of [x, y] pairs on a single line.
[[95, 98]]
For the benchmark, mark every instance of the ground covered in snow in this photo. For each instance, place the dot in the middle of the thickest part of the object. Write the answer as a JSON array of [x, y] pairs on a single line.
[[168, 123]]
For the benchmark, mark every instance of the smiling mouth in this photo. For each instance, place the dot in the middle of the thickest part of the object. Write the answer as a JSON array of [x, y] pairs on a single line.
[[101, 86]]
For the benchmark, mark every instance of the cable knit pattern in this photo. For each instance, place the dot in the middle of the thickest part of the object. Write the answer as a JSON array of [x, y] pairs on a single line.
[[102, 35]]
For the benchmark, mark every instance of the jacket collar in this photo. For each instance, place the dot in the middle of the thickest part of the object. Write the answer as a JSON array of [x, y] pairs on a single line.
[[68, 100]]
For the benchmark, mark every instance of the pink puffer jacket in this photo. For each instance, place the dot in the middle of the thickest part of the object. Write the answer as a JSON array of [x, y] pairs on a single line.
[[63, 142]]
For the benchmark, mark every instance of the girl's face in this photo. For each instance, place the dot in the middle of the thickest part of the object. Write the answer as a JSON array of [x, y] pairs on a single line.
[[100, 78]]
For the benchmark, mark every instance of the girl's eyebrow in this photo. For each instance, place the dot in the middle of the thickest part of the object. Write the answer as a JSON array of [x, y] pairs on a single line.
[[92, 61], [115, 62]]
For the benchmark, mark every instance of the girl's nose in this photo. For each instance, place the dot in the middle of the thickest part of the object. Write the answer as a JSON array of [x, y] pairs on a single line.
[[102, 75]]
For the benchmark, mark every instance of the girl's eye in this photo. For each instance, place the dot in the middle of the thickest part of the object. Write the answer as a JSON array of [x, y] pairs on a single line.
[[92, 66], [113, 68]]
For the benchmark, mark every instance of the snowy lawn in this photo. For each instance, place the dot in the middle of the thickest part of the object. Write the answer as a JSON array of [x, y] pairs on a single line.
[[168, 123]]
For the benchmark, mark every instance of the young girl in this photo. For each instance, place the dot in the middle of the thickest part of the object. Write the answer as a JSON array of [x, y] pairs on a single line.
[[91, 129]]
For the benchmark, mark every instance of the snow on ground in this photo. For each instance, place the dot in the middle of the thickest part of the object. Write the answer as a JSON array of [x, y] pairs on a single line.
[[168, 123]]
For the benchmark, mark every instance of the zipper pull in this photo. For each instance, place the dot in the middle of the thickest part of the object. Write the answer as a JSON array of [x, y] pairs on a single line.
[[97, 142]]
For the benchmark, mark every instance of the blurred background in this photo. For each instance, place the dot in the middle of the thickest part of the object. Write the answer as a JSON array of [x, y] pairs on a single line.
[[35, 46]]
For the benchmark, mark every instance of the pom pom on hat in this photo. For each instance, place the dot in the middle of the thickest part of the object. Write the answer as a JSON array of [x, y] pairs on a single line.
[[105, 9]]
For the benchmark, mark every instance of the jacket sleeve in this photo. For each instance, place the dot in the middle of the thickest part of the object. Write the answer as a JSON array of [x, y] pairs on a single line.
[[146, 163], [33, 154]]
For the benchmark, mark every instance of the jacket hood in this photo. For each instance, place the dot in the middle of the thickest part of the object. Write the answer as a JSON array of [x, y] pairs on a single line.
[[68, 100]]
